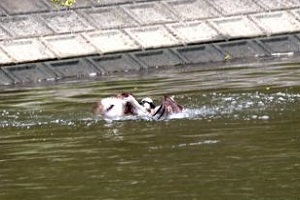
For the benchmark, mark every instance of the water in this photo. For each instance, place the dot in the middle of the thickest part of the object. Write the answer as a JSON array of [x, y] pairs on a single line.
[[238, 137]]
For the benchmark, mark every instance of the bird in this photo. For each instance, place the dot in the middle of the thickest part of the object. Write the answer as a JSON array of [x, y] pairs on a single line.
[[125, 104], [119, 105], [167, 107]]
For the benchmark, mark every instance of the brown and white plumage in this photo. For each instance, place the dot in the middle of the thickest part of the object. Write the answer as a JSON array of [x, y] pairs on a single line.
[[167, 108], [118, 106], [125, 104]]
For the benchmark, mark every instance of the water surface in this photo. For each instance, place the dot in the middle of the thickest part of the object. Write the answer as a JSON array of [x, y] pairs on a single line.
[[238, 137]]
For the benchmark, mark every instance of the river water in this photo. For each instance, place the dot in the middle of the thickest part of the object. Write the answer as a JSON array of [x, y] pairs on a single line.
[[238, 137]]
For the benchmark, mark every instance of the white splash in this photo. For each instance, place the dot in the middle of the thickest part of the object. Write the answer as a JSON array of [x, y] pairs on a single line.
[[196, 143]]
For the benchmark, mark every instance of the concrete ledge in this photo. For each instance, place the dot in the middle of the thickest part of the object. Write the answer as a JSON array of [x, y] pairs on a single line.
[[131, 35], [149, 13], [242, 49], [158, 58], [194, 32], [23, 50], [107, 41], [277, 22], [192, 9], [72, 68], [153, 36], [26, 73], [115, 63], [5, 79], [248, 50], [278, 5], [66, 22], [25, 6], [4, 58], [68, 45], [21, 26], [236, 27], [237, 7], [201, 54], [281, 44], [108, 18], [113, 26]]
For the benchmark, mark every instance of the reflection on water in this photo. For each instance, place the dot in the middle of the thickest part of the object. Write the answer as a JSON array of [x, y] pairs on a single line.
[[238, 137]]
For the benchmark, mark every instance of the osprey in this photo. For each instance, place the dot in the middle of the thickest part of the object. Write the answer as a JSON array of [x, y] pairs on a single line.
[[125, 104], [167, 107]]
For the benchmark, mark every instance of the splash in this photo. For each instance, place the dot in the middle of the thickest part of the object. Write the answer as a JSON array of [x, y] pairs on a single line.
[[235, 106]]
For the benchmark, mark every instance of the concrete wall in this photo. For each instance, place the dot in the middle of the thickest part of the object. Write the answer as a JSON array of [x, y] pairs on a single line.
[[121, 35]]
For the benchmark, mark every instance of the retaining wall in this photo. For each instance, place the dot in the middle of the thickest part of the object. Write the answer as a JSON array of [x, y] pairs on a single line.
[[39, 41]]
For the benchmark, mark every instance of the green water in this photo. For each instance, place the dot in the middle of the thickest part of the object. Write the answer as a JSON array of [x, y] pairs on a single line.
[[238, 137]]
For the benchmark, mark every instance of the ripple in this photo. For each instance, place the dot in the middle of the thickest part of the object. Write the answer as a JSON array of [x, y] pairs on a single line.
[[238, 123], [248, 106]]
